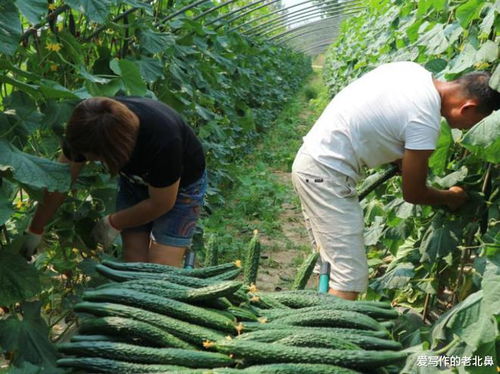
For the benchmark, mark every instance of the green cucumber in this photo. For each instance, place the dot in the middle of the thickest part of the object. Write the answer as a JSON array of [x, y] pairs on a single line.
[[305, 271], [260, 352], [124, 328], [331, 318], [228, 275], [308, 298], [162, 305], [211, 252], [189, 295], [146, 355], [251, 265], [296, 369], [107, 366], [372, 311], [183, 330], [94, 338], [122, 276], [318, 341], [242, 314], [161, 269], [146, 282], [261, 328]]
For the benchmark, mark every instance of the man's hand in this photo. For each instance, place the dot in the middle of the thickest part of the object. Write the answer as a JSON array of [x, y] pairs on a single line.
[[457, 197], [31, 241], [104, 232]]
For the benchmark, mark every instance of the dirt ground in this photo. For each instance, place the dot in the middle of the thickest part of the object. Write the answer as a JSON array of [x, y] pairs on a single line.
[[278, 267]]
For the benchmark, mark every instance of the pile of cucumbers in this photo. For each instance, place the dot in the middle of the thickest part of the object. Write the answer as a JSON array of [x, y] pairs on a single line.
[[159, 319]]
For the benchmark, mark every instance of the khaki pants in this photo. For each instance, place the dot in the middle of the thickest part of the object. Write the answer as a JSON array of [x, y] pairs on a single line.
[[334, 220]]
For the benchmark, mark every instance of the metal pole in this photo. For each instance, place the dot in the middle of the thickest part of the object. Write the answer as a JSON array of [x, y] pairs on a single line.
[[298, 18], [246, 13], [182, 10], [213, 9], [300, 28], [336, 26], [301, 12], [272, 13], [237, 10]]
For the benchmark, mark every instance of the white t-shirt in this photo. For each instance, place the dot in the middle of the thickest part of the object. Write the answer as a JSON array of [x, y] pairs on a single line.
[[373, 119]]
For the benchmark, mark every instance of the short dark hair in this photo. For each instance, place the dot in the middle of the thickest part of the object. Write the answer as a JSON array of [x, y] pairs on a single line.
[[105, 128], [476, 85]]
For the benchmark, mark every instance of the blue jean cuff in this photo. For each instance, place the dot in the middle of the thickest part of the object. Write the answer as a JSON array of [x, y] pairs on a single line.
[[172, 241]]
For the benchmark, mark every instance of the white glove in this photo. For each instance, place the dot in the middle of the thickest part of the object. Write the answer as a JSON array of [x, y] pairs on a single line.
[[104, 232], [31, 241]]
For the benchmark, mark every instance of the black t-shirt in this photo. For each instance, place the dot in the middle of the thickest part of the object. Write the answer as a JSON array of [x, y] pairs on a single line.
[[166, 149]]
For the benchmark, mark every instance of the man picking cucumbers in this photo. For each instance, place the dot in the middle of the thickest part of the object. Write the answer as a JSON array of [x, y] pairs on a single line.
[[391, 114]]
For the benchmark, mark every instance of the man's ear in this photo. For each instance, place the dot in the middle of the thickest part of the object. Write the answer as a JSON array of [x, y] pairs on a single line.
[[468, 106]]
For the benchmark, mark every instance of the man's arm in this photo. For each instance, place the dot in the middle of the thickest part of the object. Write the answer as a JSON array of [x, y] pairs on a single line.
[[415, 189], [160, 201], [53, 200]]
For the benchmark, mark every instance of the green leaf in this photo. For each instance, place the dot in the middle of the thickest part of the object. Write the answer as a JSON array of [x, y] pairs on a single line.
[[155, 42], [436, 65], [469, 11], [488, 52], [131, 76], [25, 110], [95, 10], [491, 290], [465, 60], [6, 209], [495, 79], [439, 158], [33, 10], [484, 138], [374, 232], [19, 280], [33, 171], [151, 69], [396, 278], [439, 240], [53, 90], [28, 339], [10, 28], [435, 40], [452, 179]]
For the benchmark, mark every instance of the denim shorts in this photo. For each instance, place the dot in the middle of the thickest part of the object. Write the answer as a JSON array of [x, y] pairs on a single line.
[[176, 227]]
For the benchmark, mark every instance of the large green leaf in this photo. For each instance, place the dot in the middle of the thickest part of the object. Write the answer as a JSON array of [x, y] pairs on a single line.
[[488, 52], [484, 138], [33, 10], [53, 90], [19, 280], [469, 11], [10, 27], [131, 76], [151, 69], [95, 10], [495, 79], [5, 205], [491, 290], [434, 40], [155, 42], [439, 157], [396, 278], [440, 239], [25, 109], [33, 171], [27, 339]]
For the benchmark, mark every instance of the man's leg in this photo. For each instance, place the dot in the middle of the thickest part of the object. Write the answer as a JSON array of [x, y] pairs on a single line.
[[166, 254], [344, 294], [135, 246]]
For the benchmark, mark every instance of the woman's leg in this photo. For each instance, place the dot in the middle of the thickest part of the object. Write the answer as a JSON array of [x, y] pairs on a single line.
[[135, 246], [166, 254]]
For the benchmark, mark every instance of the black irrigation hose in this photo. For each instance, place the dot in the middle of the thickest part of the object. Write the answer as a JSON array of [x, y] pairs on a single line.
[[388, 174]]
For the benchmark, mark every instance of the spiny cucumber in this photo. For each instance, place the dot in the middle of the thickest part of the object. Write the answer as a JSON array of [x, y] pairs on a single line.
[[183, 330], [127, 328], [161, 269], [305, 271], [259, 328], [146, 355], [260, 352], [251, 265], [162, 305], [107, 366]]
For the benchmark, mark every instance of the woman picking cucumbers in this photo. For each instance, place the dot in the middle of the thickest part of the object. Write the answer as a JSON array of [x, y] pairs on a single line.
[[162, 177]]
